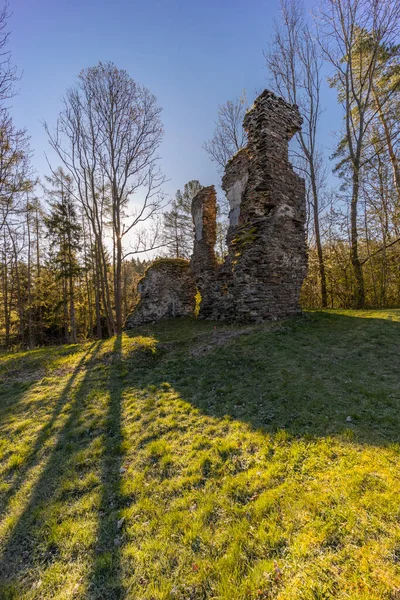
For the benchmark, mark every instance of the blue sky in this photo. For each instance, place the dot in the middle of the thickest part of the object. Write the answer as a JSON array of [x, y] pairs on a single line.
[[191, 55]]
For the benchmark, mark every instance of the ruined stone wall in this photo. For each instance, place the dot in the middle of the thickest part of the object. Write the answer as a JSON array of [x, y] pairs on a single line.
[[262, 275], [166, 290], [203, 262], [263, 272], [234, 184]]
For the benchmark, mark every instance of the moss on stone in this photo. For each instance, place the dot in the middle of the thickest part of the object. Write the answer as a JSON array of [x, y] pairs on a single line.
[[177, 262]]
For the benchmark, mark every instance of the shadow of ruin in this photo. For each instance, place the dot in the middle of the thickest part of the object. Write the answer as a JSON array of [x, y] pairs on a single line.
[[266, 263]]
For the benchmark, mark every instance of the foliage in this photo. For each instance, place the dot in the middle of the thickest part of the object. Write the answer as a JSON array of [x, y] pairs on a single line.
[[380, 276], [180, 262], [65, 233]]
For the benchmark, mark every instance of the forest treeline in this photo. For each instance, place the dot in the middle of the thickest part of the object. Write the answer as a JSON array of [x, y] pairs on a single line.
[[74, 244]]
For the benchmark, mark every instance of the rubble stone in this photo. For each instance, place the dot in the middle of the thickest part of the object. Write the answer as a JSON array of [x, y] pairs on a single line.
[[166, 290]]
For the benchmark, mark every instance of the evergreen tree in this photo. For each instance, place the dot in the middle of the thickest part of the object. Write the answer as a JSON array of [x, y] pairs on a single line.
[[64, 231]]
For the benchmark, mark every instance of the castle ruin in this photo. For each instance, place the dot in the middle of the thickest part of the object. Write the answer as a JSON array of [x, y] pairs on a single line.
[[266, 264]]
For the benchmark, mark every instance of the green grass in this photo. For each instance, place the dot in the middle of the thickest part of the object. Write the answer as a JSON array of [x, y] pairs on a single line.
[[188, 462]]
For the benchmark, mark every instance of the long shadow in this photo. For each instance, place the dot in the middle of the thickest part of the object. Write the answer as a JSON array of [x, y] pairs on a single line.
[[17, 377], [23, 548], [306, 376], [319, 375], [106, 580], [46, 431], [20, 371]]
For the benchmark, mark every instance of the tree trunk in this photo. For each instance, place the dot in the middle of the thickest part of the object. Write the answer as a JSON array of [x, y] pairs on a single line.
[[88, 305], [38, 279], [65, 310], [321, 265], [359, 298], [125, 290], [106, 290], [5, 301], [72, 319], [97, 293], [392, 154], [20, 303], [31, 340], [118, 287]]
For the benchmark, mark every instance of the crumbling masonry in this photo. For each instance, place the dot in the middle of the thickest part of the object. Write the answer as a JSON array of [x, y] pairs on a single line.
[[166, 290], [262, 275], [266, 263], [203, 263]]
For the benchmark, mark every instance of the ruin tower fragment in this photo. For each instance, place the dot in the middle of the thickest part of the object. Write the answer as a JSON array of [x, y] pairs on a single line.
[[267, 257], [203, 262], [263, 272]]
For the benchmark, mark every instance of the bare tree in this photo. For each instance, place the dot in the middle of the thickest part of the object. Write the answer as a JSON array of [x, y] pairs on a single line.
[[14, 148], [8, 71], [128, 120], [75, 141], [353, 33], [295, 66], [178, 233], [107, 136], [15, 173], [229, 136]]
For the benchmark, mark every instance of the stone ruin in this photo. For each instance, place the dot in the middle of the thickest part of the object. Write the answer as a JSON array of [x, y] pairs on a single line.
[[204, 264], [262, 274], [166, 290]]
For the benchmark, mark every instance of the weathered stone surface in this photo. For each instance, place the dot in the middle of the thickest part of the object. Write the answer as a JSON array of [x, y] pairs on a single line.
[[166, 290], [266, 263], [203, 262], [263, 272], [234, 183]]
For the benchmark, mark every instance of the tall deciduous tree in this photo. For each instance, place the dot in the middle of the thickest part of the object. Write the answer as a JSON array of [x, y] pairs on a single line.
[[14, 147], [353, 34], [108, 135], [295, 66]]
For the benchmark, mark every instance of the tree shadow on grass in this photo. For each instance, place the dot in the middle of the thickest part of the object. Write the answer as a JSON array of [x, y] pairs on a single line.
[[29, 542], [23, 369], [24, 374], [319, 375], [306, 376], [34, 456], [106, 570]]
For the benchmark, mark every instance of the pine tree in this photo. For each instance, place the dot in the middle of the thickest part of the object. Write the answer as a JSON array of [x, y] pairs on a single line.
[[64, 231]]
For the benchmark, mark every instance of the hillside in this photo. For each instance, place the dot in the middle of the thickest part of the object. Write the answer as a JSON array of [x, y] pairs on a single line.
[[192, 460]]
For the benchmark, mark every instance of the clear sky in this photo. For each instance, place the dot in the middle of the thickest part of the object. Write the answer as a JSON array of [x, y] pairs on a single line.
[[193, 55]]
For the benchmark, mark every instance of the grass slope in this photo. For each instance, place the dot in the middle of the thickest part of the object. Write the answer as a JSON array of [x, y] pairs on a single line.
[[185, 463]]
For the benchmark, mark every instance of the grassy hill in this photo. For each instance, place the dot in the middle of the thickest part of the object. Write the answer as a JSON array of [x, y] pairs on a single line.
[[192, 460]]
